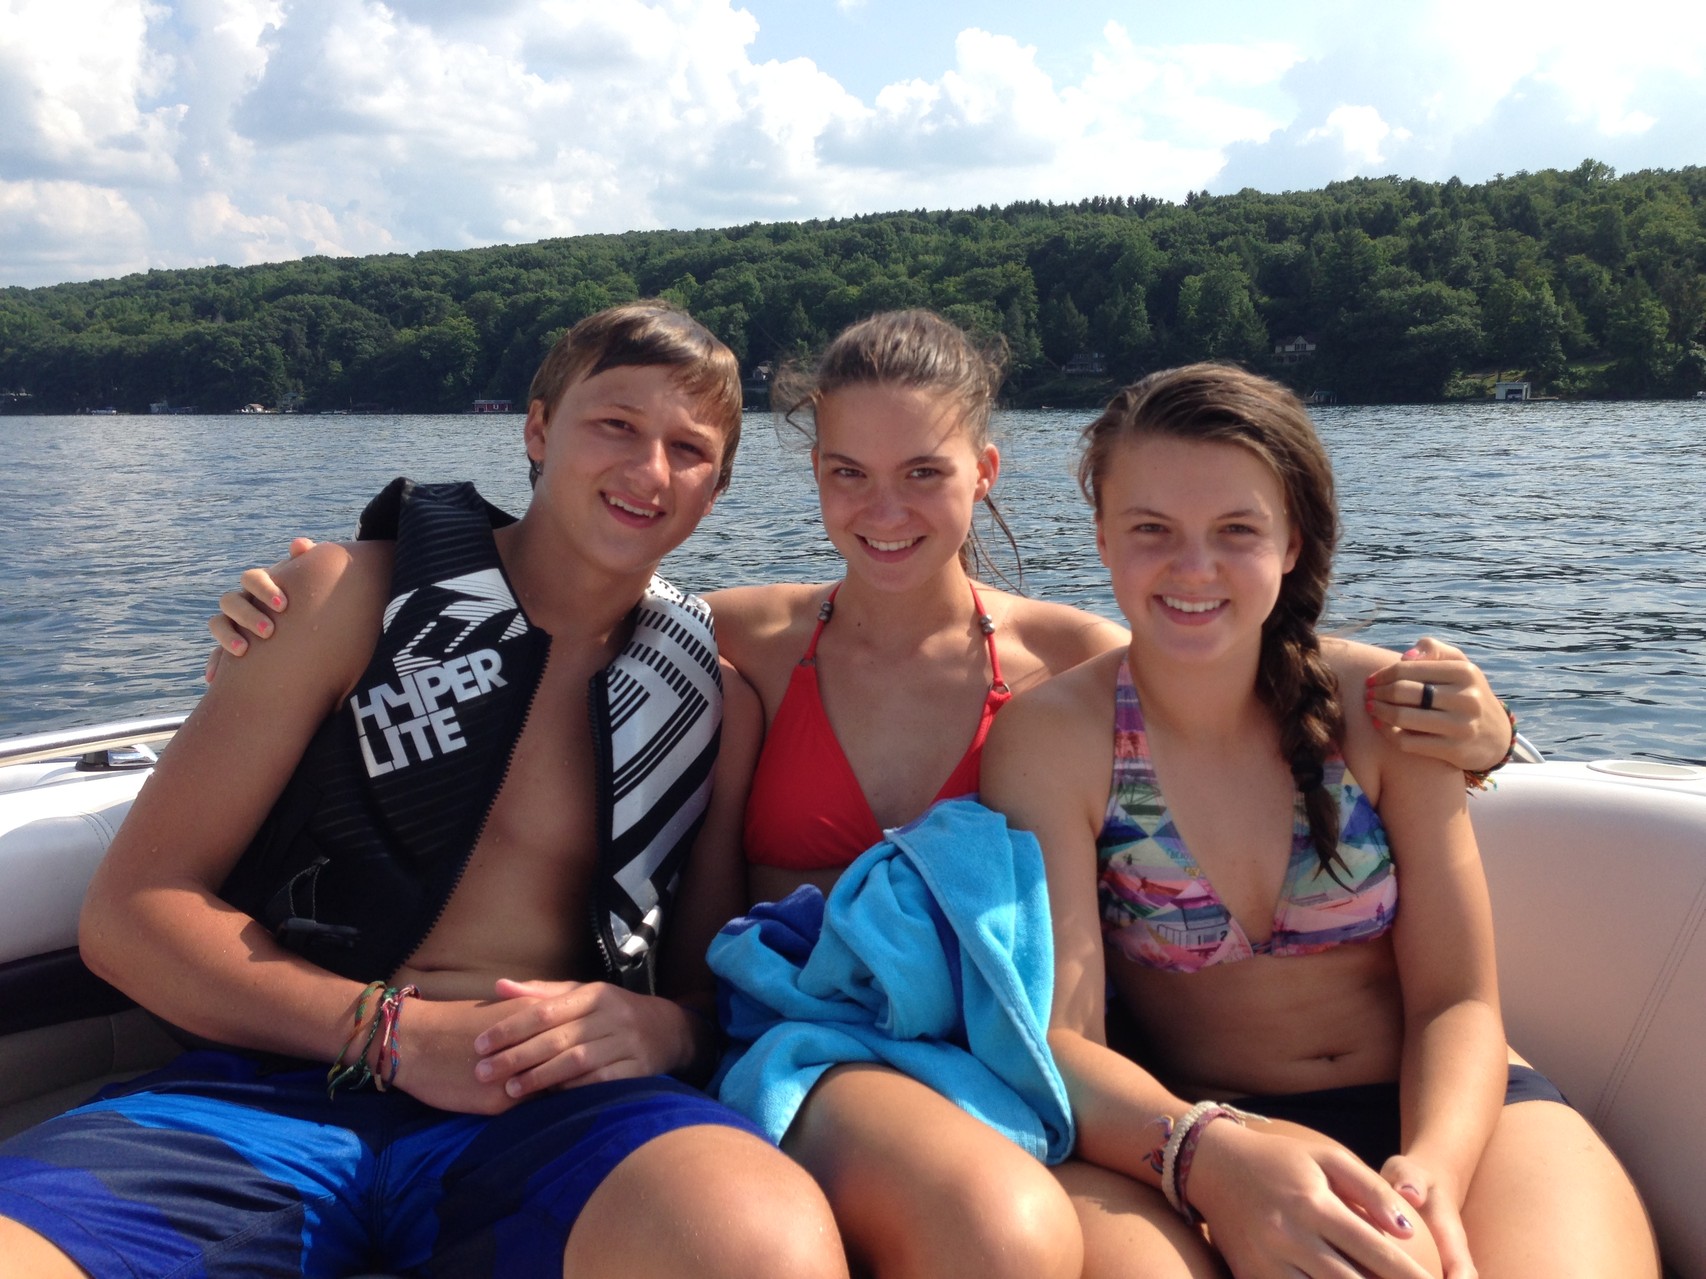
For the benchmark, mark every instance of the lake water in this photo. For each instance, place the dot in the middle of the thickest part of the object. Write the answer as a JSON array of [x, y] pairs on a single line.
[[1560, 543]]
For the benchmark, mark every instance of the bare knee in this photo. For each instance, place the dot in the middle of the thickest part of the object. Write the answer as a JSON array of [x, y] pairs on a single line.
[[25, 1253], [1012, 1221], [707, 1201]]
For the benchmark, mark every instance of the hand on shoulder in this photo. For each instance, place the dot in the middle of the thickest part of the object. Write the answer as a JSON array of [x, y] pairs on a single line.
[[1435, 702]]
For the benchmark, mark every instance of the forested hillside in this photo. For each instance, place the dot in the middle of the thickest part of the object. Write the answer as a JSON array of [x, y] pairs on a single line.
[[1585, 282]]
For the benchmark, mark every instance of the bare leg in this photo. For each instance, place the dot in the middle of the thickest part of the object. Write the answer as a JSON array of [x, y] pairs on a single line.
[[707, 1201], [25, 1253], [1130, 1232], [920, 1188], [1550, 1199]]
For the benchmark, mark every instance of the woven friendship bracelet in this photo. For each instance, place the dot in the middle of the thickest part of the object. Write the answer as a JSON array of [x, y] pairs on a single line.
[[390, 1012], [351, 1070]]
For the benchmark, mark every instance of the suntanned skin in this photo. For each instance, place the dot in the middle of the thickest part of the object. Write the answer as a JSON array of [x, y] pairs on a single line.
[[511, 1001], [903, 689], [904, 670], [1196, 561]]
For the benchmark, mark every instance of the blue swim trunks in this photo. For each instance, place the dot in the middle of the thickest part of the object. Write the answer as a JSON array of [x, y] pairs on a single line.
[[210, 1167]]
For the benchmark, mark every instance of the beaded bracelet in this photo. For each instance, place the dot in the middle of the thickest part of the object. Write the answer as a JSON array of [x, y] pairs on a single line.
[[1482, 778], [1182, 1147]]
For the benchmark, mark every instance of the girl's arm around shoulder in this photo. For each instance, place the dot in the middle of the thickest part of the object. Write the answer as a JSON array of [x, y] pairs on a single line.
[[1466, 725], [152, 922]]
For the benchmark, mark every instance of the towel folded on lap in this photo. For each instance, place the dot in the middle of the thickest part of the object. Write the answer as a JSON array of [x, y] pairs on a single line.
[[932, 955]]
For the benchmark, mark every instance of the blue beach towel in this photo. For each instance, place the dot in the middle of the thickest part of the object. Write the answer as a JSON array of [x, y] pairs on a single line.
[[933, 954]]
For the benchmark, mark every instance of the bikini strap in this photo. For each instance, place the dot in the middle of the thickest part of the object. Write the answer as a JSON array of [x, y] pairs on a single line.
[[987, 625], [825, 611]]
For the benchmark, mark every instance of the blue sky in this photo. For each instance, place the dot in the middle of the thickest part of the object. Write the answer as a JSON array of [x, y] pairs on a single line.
[[160, 133]]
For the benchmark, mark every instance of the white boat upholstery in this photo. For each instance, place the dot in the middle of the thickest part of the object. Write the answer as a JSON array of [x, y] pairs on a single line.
[[1599, 902], [1599, 897], [52, 836]]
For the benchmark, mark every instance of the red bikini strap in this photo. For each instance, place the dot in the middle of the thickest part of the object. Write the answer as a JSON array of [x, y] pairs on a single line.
[[987, 625], [824, 612]]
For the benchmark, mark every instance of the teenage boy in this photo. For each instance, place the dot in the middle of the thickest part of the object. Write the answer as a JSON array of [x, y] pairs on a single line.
[[431, 837]]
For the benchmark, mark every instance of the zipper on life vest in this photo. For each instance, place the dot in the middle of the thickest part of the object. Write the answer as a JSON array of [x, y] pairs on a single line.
[[486, 816], [604, 784]]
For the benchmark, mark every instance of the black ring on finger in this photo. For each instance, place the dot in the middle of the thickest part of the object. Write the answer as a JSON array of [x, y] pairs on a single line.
[[1427, 697]]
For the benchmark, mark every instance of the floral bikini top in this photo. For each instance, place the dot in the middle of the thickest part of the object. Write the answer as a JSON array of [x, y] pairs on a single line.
[[1158, 908]]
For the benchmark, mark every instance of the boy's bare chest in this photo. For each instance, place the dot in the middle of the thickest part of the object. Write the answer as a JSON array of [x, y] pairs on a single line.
[[521, 906]]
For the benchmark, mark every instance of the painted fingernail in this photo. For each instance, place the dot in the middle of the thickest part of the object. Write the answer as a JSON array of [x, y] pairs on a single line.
[[1402, 1220], [238, 647], [263, 626], [278, 601], [1369, 681], [1412, 653]]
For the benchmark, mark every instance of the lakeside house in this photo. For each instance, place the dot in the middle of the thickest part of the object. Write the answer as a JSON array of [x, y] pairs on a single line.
[[1086, 364], [1513, 391], [494, 406], [1294, 350], [755, 386]]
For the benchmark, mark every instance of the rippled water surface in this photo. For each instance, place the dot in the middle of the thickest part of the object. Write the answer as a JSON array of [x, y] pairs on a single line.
[[1560, 543]]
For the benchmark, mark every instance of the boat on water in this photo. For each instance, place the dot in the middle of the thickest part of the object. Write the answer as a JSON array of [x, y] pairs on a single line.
[[1597, 870]]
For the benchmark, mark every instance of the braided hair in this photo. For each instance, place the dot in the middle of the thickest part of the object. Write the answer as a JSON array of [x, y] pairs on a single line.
[[1217, 403]]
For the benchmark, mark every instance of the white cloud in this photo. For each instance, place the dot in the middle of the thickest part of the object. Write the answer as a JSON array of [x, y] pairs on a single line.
[[71, 230], [148, 133], [1360, 131]]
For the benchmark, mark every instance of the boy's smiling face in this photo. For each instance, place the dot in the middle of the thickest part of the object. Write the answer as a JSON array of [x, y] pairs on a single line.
[[630, 463]]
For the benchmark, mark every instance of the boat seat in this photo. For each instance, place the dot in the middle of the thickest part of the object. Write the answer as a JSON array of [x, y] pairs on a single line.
[[1599, 905], [63, 1033], [1599, 902]]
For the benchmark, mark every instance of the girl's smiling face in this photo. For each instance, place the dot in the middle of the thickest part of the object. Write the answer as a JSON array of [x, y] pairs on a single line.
[[898, 480], [1196, 540]]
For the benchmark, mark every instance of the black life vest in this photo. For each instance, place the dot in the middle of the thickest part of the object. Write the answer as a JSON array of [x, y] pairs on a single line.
[[365, 845]]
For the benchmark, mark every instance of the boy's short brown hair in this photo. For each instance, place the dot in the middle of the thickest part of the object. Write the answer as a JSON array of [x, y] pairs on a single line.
[[653, 332]]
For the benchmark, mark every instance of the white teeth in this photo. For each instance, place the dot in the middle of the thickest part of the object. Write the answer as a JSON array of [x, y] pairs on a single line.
[[1190, 606], [889, 546], [620, 505]]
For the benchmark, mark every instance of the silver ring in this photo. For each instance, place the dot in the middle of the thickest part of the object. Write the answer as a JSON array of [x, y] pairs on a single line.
[[1427, 697]]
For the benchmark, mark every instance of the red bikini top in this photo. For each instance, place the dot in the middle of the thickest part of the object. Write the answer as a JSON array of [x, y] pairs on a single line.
[[806, 810]]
